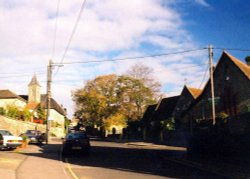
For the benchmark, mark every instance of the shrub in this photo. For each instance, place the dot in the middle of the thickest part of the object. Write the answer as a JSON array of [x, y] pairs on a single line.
[[2, 111]]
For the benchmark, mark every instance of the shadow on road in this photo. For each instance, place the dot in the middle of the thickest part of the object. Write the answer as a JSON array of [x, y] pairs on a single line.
[[110, 155], [121, 157]]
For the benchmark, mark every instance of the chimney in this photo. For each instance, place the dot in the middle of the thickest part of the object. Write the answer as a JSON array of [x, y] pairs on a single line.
[[248, 60]]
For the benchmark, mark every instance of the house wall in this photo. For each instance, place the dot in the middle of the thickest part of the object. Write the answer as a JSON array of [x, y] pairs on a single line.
[[118, 129], [184, 102], [13, 102], [57, 117], [58, 121], [231, 86]]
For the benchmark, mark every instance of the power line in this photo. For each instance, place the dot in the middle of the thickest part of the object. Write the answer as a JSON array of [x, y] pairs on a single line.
[[37, 72], [55, 30], [204, 76], [137, 57], [73, 32], [232, 49], [19, 75]]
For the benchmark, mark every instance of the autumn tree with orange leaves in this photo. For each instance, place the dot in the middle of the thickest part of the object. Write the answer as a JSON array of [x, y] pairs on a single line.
[[111, 98]]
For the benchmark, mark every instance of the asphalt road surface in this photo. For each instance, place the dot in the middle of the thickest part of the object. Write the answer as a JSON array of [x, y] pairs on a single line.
[[107, 160]]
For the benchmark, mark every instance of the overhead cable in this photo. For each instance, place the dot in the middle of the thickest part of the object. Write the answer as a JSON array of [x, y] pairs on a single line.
[[72, 33], [137, 57], [55, 30]]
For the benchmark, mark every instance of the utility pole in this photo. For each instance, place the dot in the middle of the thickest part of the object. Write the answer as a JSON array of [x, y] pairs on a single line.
[[49, 79], [210, 54]]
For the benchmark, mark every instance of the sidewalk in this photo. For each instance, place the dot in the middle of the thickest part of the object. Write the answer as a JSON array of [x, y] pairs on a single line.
[[42, 163], [228, 167]]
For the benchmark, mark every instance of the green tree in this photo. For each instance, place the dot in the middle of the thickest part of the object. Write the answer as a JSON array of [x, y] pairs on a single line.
[[2, 111], [41, 114], [134, 96], [25, 115], [110, 95], [12, 111], [96, 101]]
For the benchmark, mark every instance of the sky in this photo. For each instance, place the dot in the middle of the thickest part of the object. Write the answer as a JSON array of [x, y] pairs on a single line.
[[33, 32]]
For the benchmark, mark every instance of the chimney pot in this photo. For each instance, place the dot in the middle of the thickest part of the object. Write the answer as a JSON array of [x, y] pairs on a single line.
[[248, 60]]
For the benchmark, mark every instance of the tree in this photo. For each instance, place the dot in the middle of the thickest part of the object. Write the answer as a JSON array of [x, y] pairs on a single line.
[[12, 111], [117, 119], [97, 100], [134, 97], [2, 111], [145, 75], [40, 112], [111, 95]]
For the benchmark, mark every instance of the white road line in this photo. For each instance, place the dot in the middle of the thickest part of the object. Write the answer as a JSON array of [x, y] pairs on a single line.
[[70, 170], [62, 164]]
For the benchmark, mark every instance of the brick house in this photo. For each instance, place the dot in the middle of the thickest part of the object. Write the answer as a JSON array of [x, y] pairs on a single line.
[[32, 101]]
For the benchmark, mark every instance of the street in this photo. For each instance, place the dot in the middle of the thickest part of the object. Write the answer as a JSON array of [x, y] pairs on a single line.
[[106, 160], [119, 160]]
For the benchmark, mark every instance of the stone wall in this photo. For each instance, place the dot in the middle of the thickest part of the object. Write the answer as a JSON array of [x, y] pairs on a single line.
[[18, 127]]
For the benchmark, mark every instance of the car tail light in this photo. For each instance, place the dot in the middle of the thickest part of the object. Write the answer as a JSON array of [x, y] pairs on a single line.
[[10, 141]]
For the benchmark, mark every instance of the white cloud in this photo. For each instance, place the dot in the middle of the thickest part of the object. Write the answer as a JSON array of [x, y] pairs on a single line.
[[107, 28], [202, 3]]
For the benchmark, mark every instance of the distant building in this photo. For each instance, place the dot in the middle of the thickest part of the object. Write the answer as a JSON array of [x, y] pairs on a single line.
[[32, 101], [8, 98]]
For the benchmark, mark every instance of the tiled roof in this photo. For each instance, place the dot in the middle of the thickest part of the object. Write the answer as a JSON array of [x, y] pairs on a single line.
[[53, 104], [32, 105], [195, 92], [7, 94], [242, 66]]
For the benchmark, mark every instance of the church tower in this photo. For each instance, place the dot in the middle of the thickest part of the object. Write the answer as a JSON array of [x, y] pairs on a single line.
[[34, 95]]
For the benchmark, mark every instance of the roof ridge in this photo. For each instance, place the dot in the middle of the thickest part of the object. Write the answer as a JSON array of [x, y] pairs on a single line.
[[242, 66], [195, 92]]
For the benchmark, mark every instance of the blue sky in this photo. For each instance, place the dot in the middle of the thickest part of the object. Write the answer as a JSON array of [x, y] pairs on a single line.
[[221, 23], [117, 29]]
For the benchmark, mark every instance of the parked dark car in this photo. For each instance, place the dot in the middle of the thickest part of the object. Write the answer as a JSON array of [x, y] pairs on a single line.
[[77, 141], [34, 136]]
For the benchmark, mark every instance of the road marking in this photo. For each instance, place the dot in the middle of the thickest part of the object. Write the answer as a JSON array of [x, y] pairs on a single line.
[[70, 170]]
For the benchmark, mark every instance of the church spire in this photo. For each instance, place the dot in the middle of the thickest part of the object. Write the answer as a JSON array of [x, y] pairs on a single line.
[[34, 91], [34, 81]]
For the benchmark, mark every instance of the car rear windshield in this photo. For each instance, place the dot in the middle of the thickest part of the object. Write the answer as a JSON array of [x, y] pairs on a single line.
[[32, 132], [80, 135], [6, 133]]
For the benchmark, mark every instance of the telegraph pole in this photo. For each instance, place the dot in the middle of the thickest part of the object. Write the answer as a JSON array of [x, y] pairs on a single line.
[[210, 54], [49, 79]]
